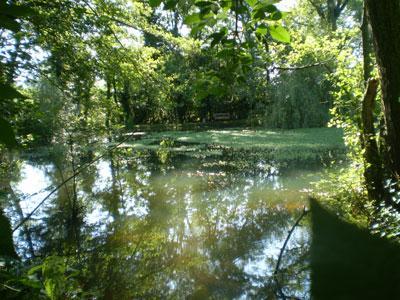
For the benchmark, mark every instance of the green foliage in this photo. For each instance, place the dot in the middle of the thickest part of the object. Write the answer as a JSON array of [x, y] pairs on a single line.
[[53, 269], [106, 65], [279, 33], [222, 19], [169, 79], [210, 12], [9, 13], [50, 279], [7, 136], [8, 94], [299, 100], [155, 3], [164, 151]]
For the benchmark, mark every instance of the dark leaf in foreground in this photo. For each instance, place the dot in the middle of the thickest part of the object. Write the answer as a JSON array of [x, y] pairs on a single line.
[[347, 262], [6, 240], [9, 92], [7, 136]]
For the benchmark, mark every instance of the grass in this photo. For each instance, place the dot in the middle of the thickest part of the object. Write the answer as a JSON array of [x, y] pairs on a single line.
[[277, 144]]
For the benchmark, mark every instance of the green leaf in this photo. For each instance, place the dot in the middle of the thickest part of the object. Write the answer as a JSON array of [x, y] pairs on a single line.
[[35, 269], [203, 3], [196, 28], [261, 9], [54, 278], [217, 90], [9, 92], [31, 282], [279, 33], [245, 58], [347, 262], [226, 4], [275, 16], [252, 3], [240, 9], [8, 14], [270, 8], [258, 14], [225, 53], [229, 43], [155, 3], [10, 24], [262, 29], [50, 287], [192, 19], [205, 11], [7, 136], [215, 8], [218, 36], [18, 11], [170, 4], [268, 2], [6, 240]]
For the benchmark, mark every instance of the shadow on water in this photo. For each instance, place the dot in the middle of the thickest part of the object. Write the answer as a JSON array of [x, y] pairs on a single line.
[[199, 224]]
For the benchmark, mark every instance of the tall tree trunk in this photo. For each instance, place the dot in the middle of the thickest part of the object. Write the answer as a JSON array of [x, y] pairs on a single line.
[[125, 102], [331, 15], [108, 111], [373, 167], [368, 64], [373, 173], [384, 18], [330, 11], [175, 29], [20, 213], [13, 63]]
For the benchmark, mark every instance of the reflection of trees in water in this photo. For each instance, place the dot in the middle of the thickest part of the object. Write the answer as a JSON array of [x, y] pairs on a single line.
[[14, 202], [181, 229]]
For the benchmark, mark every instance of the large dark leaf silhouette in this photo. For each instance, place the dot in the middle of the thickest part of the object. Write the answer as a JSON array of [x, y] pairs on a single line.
[[347, 262], [6, 240]]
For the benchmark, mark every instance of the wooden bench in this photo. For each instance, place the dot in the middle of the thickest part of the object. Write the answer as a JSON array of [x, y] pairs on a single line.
[[221, 116]]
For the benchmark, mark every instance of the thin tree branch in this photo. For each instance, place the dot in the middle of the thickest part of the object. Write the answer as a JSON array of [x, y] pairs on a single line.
[[318, 8], [11, 288], [278, 263], [20, 213], [342, 7], [78, 171], [294, 68]]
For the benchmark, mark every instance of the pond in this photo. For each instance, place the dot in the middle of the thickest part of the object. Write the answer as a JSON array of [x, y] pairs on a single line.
[[203, 222]]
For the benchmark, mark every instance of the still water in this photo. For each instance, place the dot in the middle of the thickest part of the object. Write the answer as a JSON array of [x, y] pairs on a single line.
[[164, 224]]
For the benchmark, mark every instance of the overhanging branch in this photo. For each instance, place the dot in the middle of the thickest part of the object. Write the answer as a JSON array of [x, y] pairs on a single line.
[[295, 68], [318, 8], [278, 263]]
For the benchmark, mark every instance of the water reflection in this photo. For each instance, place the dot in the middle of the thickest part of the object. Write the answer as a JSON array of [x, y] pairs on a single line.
[[153, 224]]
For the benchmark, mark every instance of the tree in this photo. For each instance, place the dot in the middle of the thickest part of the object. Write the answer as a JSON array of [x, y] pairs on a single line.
[[329, 10], [383, 16]]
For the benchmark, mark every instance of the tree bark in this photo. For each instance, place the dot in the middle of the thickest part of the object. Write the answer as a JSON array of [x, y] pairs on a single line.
[[373, 172], [330, 11], [373, 167], [20, 213], [331, 14], [368, 64], [384, 19], [13, 63]]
